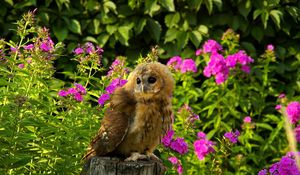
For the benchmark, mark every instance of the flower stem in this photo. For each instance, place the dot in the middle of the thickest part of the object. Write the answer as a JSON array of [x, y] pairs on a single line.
[[291, 137]]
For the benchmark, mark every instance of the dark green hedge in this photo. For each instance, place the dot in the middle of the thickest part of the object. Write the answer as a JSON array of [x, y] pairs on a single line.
[[177, 26]]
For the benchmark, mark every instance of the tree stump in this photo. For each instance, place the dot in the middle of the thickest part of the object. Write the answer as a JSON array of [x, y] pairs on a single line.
[[116, 166]]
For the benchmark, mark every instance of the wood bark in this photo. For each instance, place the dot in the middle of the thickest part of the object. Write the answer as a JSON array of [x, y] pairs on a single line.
[[116, 166]]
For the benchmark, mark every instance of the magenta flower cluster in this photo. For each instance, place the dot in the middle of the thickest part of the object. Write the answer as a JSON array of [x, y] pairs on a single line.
[[47, 45], [232, 136], [247, 119], [286, 166], [88, 48], [76, 92], [176, 163], [219, 66], [186, 65], [178, 144], [203, 146], [114, 84], [293, 111]]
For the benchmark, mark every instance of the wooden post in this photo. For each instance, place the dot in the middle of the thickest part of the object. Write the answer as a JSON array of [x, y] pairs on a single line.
[[116, 166]]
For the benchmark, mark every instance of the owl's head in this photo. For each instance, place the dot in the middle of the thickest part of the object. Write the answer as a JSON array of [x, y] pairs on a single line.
[[151, 79]]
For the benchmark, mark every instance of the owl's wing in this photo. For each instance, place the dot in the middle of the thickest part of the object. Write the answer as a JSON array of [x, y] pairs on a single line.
[[114, 125]]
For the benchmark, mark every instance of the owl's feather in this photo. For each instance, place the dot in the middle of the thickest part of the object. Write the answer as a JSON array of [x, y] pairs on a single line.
[[114, 125]]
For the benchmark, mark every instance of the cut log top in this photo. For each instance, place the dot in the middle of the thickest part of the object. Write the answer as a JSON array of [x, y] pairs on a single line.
[[116, 166]]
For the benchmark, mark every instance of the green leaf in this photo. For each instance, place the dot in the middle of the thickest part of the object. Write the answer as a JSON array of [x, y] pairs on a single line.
[[74, 26], [276, 15], [196, 38], [195, 4], [171, 35], [110, 5], [182, 39], [257, 33], [96, 26], [203, 29], [60, 33], [209, 5], [264, 125], [243, 9], [256, 13], [23, 4], [111, 29], [124, 33], [151, 7], [102, 39], [171, 20], [154, 29], [264, 18], [10, 2], [168, 4], [138, 28], [90, 39]]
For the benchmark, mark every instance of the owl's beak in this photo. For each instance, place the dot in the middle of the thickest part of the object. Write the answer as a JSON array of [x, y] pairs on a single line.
[[143, 89]]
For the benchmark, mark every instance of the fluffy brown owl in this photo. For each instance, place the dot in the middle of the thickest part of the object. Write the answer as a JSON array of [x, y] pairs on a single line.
[[138, 116]]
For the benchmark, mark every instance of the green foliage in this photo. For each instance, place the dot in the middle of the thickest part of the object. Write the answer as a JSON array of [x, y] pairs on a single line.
[[176, 26]]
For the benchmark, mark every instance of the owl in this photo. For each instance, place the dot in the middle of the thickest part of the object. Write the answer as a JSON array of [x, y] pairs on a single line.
[[139, 114]]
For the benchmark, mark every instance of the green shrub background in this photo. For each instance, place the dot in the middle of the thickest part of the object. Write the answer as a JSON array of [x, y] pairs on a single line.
[[177, 26]]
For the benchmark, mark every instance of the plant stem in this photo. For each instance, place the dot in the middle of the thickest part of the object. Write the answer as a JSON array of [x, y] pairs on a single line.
[[291, 137]]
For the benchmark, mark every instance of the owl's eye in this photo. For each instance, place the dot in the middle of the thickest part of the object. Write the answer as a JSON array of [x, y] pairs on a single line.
[[151, 80], [138, 81]]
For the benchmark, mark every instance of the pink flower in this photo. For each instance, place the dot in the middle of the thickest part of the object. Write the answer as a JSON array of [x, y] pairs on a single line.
[[78, 51], [201, 135], [29, 47], [270, 47], [179, 169], [99, 50], [63, 93], [293, 111], [118, 82], [13, 49], [72, 91], [89, 47], [78, 97], [188, 65], [175, 61], [103, 98], [202, 147], [247, 119], [179, 145], [166, 140], [278, 107], [246, 69], [282, 95], [243, 58], [211, 46], [262, 172], [80, 88], [198, 52], [231, 60], [173, 160], [232, 136], [47, 45], [21, 66]]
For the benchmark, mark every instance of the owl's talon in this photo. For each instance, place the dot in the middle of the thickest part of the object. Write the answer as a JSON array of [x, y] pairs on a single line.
[[136, 156], [154, 158]]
